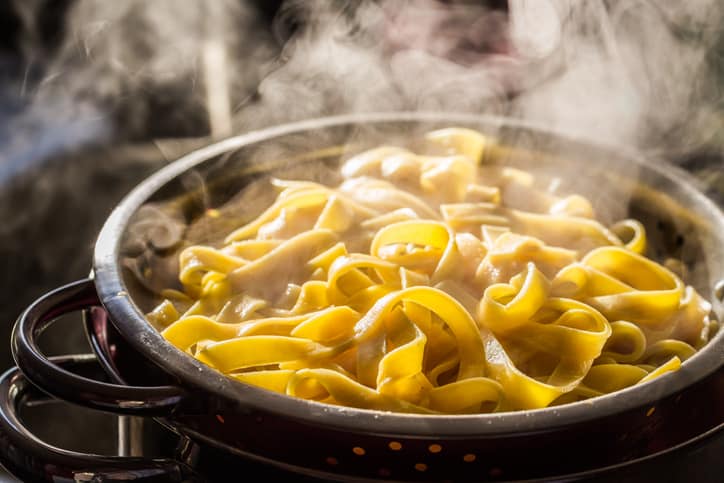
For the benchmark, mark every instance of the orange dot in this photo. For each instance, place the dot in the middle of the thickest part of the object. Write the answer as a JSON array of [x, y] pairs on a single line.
[[358, 451], [434, 448], [220, 418], [331, 460], [395, 446], [650, 411], [421, 467], [469, 458]]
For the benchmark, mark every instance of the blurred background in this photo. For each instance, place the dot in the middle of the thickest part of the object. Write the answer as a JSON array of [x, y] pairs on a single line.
[[97, 95]]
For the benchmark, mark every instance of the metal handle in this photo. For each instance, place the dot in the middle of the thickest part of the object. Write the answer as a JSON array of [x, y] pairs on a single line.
[[30, 459], [63, 384]]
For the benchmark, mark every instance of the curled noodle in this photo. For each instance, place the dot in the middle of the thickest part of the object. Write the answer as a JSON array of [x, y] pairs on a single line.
[[417, 285]]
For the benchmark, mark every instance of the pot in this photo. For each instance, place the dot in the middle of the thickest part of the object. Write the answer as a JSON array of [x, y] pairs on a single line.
[[152, 378]]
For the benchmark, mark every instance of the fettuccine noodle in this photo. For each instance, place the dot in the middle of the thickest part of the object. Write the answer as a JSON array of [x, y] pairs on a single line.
[[418, 285]]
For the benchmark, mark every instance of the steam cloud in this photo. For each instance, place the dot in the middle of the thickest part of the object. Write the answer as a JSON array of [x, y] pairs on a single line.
[[634, 72], [638, 73]]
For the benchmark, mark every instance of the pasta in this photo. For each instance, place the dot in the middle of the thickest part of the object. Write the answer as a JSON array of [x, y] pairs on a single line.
[[426, 283]]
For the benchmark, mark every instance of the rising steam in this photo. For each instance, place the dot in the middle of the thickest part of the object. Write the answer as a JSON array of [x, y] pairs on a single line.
[[633, 72], [639, 73]]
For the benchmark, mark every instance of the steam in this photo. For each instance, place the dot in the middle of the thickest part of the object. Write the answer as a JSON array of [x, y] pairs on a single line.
[[382, 57], [633, 72], [100, 81], [140, 69], [636, 73]]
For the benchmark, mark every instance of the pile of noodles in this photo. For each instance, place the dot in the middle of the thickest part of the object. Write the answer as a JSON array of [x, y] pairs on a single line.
[[432, 284]]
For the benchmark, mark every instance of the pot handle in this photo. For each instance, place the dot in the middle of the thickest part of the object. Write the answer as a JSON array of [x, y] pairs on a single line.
[[30, 459], [63, 384]]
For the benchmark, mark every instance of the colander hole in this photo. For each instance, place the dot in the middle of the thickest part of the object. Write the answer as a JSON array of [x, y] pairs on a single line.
[[469, 458], [358, 451], [434, 448], [395, 446], [421, 467]]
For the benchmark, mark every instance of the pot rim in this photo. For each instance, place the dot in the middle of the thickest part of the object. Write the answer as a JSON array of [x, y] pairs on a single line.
[[132, 325]]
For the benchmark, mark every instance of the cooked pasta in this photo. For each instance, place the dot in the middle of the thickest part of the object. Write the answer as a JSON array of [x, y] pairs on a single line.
[[426, 283]]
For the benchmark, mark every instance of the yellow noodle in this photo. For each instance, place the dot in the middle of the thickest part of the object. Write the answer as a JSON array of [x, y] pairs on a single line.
[[428, 283]]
